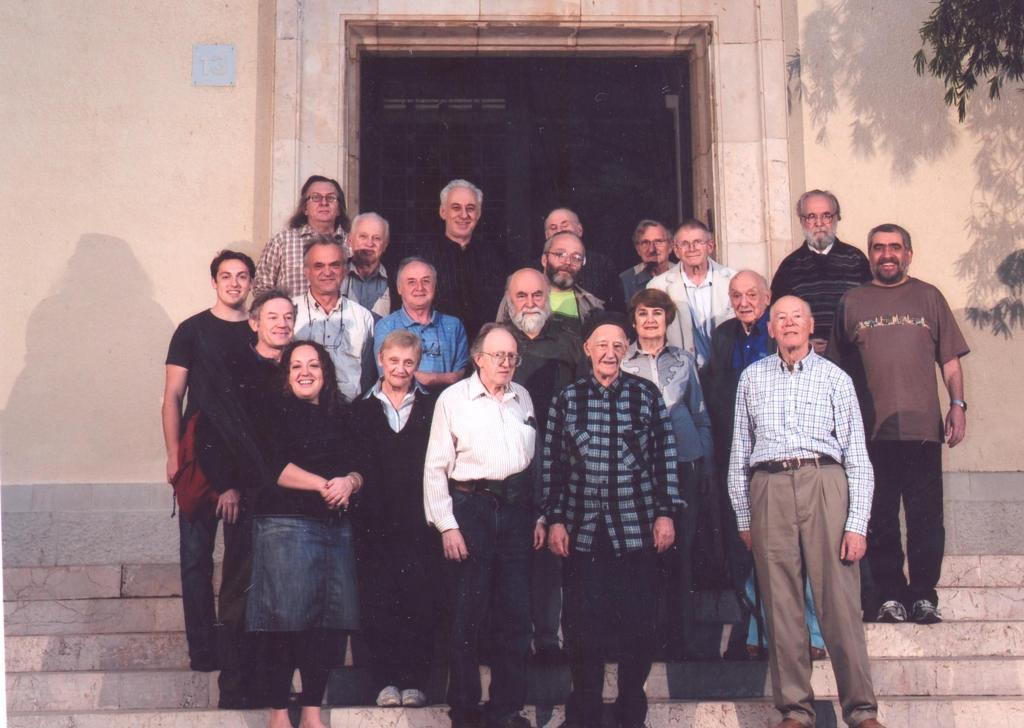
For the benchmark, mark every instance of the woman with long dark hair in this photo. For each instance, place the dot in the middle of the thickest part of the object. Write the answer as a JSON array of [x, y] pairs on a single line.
[[303, 573]]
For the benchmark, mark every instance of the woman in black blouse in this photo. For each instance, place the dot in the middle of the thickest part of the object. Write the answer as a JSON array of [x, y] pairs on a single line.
[[303, 574]]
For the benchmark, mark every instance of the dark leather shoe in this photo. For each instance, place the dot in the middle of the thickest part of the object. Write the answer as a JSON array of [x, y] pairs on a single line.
[[818, 653]]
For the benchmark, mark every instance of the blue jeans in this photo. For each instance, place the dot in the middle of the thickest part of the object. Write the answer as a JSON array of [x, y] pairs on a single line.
[[196, 556], [809, 617], [497, 572]]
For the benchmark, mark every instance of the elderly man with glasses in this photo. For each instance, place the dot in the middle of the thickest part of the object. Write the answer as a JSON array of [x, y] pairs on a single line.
[[653, 244], [699, 287], [823, 269], [562, 262], [478, 493]]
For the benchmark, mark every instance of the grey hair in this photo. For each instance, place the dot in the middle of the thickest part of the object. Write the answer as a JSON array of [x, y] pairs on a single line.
[[891, 227], [818, 193], [466, 184], [315, 240], [403, 339], [406, 262], [371, 216], [478, 342]]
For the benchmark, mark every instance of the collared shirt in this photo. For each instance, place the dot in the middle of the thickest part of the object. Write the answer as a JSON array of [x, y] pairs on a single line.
[[809, 411], [445, 345], [825, 251], [699, 297], [397, 417], [609, 462], [371, 294], [474, 436], [280, 264], [674, 372], [751, 346], [346, 331]]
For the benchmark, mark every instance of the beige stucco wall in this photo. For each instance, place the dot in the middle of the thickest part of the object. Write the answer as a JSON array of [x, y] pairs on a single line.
[[120, 181], [880, 137]]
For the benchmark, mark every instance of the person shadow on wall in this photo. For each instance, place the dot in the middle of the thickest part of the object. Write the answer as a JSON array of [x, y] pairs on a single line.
[[85, 408]]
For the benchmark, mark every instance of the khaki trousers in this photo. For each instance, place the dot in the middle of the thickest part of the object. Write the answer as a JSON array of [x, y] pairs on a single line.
[[797, 523]]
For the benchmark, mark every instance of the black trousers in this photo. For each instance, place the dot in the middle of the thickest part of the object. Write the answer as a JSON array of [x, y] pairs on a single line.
[[402, 608], [910, 472], [609, 594], [310, 652]]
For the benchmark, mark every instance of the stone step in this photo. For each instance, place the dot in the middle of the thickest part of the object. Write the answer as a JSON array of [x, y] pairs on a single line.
[[167, 651], [133, 651], [31, 583], [95, 616], [712, 680], [895, 713], [35, 583]]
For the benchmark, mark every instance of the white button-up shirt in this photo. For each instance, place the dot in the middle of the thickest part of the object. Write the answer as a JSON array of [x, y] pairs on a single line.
[[346, 331], [475, 437]]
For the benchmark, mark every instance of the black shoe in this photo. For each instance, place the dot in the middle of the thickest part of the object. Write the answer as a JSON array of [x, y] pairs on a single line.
[[234, 702], [924, 611]]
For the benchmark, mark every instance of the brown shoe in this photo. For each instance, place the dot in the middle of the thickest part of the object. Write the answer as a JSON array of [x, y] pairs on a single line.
[[818, 653], [869, 723], [792, 723]]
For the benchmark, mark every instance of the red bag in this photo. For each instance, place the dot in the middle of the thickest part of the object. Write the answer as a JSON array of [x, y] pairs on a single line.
[[191, 488]]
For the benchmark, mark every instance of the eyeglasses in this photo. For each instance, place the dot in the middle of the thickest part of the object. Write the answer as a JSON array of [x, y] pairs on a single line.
[[690, 244], [657, 243], [501, 357], [561, 256], [825, 217], [317, 198]]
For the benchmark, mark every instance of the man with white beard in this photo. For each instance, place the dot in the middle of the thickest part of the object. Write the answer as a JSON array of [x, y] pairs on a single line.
[[552, 357], [824, 268]]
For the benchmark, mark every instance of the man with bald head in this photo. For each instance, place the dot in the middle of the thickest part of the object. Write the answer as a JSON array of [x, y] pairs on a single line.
[[478, 493], [611, 493], [552, 357], [801, 485]]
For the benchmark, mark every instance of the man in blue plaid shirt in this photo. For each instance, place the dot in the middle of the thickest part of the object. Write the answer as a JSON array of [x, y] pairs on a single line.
[[611, 491], [801, 485]]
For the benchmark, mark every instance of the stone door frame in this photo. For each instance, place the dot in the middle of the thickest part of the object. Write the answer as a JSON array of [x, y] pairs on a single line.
[[739, 144]]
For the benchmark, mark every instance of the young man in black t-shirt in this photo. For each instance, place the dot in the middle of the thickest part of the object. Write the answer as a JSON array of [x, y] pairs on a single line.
[[202, 350]]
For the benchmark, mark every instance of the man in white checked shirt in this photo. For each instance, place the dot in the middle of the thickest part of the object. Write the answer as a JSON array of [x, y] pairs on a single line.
[[478, 492], [801, 485]]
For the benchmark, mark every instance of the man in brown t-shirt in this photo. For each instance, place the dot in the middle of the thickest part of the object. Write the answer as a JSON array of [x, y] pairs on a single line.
[[889, 334]]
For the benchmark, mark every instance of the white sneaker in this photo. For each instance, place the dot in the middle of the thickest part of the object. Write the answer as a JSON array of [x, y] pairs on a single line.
[[413, 698], [389, 697]]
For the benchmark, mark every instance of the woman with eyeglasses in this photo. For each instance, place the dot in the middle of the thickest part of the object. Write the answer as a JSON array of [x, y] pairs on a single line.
[[320, 211], [674, 372], [303, 590]]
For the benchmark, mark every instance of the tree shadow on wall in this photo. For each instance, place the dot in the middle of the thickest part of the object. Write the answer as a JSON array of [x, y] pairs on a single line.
[[859, 55], [93, 372], [995, 262], [854, 51]]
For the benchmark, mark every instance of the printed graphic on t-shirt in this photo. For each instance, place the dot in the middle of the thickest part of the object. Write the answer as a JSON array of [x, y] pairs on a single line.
[[896, 319]]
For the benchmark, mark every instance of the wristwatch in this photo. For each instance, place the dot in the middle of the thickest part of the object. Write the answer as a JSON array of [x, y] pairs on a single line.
[[959, 403]]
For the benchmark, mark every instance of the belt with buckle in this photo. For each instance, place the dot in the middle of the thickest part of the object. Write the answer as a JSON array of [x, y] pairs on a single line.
[[790, 464], [486, 487]]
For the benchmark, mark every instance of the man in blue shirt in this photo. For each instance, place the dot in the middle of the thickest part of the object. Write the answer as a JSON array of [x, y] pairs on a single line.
[[445, 346]]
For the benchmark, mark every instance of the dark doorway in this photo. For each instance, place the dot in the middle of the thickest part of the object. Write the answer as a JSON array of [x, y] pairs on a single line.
[[605, 136]]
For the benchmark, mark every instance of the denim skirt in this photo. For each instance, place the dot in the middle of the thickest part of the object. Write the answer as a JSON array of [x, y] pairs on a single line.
[[303, 575]]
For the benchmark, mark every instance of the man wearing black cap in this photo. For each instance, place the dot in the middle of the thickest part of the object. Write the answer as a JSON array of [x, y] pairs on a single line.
[[611, 491]]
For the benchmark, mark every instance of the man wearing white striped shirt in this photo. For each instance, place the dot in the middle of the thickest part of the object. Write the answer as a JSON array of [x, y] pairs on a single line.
[[801, 485], [478, 492]]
